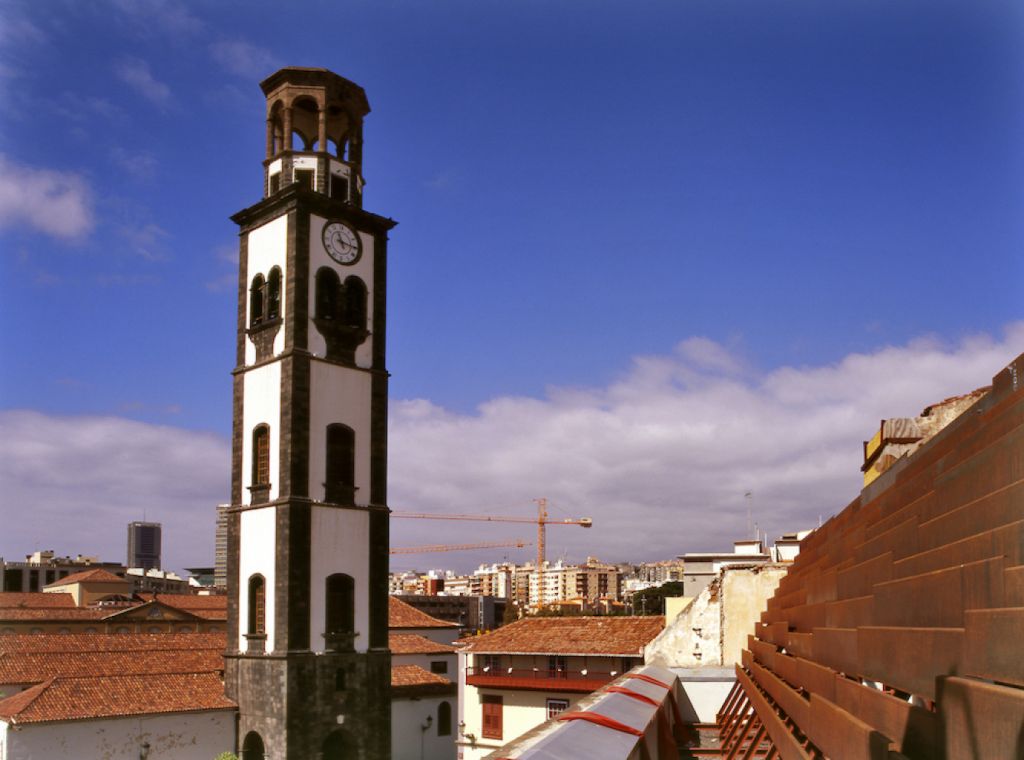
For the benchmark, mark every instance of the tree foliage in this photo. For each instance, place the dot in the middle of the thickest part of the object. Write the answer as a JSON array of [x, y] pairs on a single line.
[[651, 601]]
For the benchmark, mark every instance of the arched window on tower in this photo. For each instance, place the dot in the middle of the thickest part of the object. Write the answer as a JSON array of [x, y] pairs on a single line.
[[256, 301], [328, 295], [340, 469], [339, 617], [257, 606], [274, 294], [261, 456], [354, 302], [444, 719]]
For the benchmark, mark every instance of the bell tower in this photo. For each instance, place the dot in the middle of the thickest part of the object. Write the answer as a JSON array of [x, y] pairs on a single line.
[[307, 656]]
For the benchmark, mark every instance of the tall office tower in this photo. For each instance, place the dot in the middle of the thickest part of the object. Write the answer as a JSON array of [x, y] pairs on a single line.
[[307, 550], [143, 545]]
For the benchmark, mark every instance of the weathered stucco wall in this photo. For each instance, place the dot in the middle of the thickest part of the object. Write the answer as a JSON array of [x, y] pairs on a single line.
[[744, 594], [692, 640], [175, 736], [712, 630]]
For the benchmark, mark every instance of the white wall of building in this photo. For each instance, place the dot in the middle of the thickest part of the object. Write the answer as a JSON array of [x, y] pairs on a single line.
[[409, 741], [425, 661], [341, 544], [262, 388], [174, 736], [521, 711], [338, 395], [257, 556]]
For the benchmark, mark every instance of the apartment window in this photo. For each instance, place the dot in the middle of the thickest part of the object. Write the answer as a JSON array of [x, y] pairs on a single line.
[[556, 706], [261, 455], [489, 663], [257, 605], [491, 716], [557, 666], [438, 666], [444, 719]]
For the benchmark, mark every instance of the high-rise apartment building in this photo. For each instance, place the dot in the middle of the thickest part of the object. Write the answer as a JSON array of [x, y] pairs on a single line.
[[143, 545]]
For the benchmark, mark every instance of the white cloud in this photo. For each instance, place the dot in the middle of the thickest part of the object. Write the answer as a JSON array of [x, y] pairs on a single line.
[[167, 17], [146, 240], [136, 74], [72, 484], [139, 164], [53, 202], [662, 458], [244, 58]]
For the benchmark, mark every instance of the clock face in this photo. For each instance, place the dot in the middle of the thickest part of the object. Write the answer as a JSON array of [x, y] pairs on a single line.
[[342, 243]]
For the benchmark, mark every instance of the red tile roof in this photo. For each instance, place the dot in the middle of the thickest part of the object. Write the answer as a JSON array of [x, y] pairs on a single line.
[[59, 699], [414, 681], [571, 635], [190, 602], [402, 615], [97, 575], [53, 614], [412, 643], [25, 668], [38, 643], [35, 599]]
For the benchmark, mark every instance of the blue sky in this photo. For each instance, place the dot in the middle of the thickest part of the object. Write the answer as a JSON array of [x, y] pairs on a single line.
[[608, 212]]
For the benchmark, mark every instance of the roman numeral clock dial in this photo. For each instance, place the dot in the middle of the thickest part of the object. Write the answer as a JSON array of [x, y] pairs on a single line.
[[342, 243]]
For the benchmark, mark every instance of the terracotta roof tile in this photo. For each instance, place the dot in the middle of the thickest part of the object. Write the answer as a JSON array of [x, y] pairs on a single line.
[[108, 696], [35, 667], [39, 643], [413, 643], [414, 675], [571, 635], [96, 575], [53, 614], [191, 601], [402, 615], [35, 600]]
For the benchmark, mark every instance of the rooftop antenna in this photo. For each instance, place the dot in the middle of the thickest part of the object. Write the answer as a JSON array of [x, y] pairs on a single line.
[[749, 496]]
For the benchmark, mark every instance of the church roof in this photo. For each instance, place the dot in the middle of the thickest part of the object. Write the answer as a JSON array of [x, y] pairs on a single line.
[[35, 667], [79, 698], [35, 600], [38, 643], [402, 615]]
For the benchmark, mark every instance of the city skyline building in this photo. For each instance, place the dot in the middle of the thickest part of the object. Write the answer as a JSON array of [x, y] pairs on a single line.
[[144, 545]]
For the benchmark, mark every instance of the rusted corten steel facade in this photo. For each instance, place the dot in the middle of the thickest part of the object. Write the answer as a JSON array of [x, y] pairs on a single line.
[[899, 630]]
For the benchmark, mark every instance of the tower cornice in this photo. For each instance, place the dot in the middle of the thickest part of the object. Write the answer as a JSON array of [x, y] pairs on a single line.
[[288, 199]]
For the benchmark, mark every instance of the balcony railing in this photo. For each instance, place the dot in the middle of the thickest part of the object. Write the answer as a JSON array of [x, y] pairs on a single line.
[[582, 680]]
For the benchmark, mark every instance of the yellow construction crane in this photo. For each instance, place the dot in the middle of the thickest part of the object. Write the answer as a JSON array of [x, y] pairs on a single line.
[[542, 520], [454, 547]]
